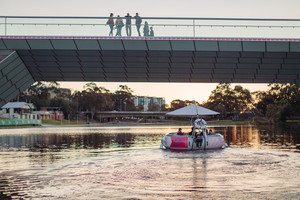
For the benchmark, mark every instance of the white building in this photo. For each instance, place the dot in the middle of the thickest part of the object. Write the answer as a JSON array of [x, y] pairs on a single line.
[[18, 110], [146, 101]]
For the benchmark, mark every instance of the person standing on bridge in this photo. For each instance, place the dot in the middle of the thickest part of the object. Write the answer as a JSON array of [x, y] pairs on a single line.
[[119, 24], [128, 24], [111, 24], [151, 32], [146, 29], [138, 22]]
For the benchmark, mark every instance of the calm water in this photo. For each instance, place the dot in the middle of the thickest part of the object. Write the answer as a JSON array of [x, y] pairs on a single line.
[[126, 163]]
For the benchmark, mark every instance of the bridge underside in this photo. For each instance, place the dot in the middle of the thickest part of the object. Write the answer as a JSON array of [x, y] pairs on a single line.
[[145, 60]]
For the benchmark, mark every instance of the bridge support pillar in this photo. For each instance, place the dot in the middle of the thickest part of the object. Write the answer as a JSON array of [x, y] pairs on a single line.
[[14, 76]]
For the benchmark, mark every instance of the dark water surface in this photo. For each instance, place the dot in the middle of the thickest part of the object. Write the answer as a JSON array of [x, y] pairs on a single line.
[[126, 163]]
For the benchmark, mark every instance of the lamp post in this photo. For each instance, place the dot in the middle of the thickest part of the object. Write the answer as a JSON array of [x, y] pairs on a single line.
[[120, 104], [125, 104], [77, 112], [60, 115]]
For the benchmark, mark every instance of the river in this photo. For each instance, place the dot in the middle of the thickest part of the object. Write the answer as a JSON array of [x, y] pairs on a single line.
[[127, 163]]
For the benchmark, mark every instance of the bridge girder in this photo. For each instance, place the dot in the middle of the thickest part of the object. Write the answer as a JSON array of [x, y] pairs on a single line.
[[25, 60]]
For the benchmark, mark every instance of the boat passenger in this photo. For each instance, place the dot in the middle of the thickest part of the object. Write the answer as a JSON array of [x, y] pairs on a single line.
[[179, 132], [199, 139], [210, 132], [191, 133]]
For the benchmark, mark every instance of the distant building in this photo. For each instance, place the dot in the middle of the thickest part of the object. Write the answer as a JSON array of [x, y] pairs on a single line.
[[49, 113], [147, 101], [23, 110], [18, 110], [59, 92]]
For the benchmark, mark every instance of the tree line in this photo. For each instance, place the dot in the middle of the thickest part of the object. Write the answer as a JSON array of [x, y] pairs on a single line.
[[91, 99], [279, 103]]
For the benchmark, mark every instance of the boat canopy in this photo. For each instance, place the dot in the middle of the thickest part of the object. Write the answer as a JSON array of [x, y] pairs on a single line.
[[191, 111]]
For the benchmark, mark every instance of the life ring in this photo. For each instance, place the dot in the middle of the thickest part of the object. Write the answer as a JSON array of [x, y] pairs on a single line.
[[200, 123]]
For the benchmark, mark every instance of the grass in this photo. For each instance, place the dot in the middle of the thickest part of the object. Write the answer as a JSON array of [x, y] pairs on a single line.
[[293, 121], [61, 122], [18, 126]]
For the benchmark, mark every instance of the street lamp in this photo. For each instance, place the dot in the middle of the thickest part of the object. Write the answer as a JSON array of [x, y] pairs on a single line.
[[125, 104]]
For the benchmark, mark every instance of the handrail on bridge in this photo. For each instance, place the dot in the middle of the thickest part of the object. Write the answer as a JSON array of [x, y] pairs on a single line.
[[184, 18], [163, 26]]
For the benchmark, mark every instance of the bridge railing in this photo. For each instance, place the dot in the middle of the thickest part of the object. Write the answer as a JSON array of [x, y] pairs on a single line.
[[162, 27]]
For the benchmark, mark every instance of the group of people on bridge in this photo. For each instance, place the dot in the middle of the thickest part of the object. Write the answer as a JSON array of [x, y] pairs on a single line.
[[119, 24]]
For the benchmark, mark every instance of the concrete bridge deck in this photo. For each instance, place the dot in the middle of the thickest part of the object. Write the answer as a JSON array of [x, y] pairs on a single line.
[[26, 59]]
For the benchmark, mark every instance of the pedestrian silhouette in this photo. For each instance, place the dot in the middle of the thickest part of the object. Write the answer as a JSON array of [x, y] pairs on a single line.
[[146, 29], [119, 25], [151, 32], [111, 24], [138, 22], [128, 24]]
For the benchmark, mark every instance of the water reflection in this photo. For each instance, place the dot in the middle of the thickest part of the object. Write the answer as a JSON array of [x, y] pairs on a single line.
[[94, 163], [275, 136], [58, 142], [280, 136]]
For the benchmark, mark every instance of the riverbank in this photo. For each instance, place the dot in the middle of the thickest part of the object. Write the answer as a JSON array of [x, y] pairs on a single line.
[[66, 123], [134, 123]]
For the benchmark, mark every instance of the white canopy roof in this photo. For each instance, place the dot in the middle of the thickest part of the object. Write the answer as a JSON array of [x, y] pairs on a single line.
[[192, 110], [22, 105]]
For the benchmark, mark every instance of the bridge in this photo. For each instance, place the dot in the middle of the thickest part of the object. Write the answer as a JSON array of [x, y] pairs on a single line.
[[187, 50], [106, 115]]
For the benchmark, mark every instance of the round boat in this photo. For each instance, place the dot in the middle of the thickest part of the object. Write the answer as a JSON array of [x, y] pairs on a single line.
[[191, 142]]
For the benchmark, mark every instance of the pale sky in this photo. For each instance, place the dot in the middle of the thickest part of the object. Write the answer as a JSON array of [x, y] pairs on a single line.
[[154, 8], [287, 9]]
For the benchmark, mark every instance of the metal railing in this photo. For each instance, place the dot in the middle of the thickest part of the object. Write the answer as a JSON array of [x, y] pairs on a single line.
[[162, 27]]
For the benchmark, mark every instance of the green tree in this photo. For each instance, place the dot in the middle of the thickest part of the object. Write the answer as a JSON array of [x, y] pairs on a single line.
[[280, 102], [189, 102], [39, 93], [242, 99], [123, 99], [154, 107], [221, 109], [225, 100], [140, 107], [65, 105], [222, 95], [164, 107], [177, 103], [93, 99]]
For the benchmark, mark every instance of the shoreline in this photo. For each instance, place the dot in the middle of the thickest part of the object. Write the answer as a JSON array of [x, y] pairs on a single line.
[[130, 124], [135, 124]]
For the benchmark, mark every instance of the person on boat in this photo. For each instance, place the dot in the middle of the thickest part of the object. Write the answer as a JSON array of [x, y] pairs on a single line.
[[199, 139], [210, 132], [179, 132], [191, 133]]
